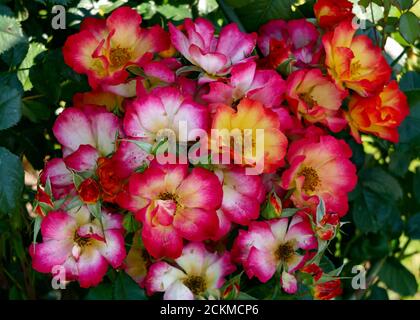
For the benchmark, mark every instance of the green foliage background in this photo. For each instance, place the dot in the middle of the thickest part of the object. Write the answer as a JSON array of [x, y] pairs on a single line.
[[384, 220]]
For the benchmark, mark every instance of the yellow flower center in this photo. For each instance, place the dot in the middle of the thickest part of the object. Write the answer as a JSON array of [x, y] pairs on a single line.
[[196, 284], [309, 100], [311, 179], [285, 251], [80, 241], [169, 196], [355, 68], [119, 56]]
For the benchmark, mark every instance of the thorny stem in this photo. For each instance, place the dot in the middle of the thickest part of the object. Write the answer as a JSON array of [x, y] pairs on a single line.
[[276, 285], [400, 255], [17, 284], [385, 20], [373, 21], [230, 14], [33, 97], [350, 243]]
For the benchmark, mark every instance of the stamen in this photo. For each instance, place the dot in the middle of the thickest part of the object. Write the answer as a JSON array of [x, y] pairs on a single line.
[[355, 68], [196, 284], [119, 56], [81, 241], [309, 100], [168, 196], [285, 252], [312, 180]]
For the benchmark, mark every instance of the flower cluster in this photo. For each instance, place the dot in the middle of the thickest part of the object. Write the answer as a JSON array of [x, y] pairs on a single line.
[[210, 158]]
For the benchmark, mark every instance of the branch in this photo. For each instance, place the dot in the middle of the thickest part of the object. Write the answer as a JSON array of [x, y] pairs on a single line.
[[230, 14]]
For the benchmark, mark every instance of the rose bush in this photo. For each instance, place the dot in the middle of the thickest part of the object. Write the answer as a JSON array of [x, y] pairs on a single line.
[[231, 152]]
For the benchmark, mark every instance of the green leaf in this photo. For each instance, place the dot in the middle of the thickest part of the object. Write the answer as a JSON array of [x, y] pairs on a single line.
[[110, 6], [381, 182], [37, 227], [147, 147], [36, 111], [288, 212], [160, 146], [410, 128], [273, 207], [6, 11], [391, 24], [397, 277], [375, 246], [73, 203], [371, 213], [10, 107], [416, 185], [101, 292], [27, 63], [48, 188], [236, 3], [358, 157], [337, 271], [11, 181], [96, 210], [254, 13], [10, 79], [413, 226], [77, 180], [130, 224], [146, 10], [378, 293], [15, 55], [320, 210], [45, 208], [378, 206], [10, 33], [126, 289], [410, 81], [322, 246], [245, 296], [10, 100], [405, 4], [142, 168], [176, 13], [409, 27], [207, 7], [136, 70], [395, 224], [16, 294], [363, 218], [363, 3], [45, 75], [400, 160], [326, 264], [262, 290], [187, 69]]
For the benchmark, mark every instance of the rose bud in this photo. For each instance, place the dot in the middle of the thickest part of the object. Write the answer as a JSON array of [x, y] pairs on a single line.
[[89, 191]]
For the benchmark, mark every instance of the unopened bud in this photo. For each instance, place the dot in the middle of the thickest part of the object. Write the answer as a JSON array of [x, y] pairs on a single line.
[[231, 292], [89, 191], [273, 207]]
